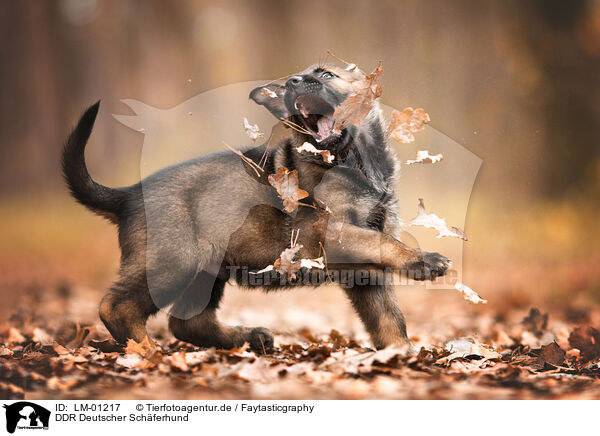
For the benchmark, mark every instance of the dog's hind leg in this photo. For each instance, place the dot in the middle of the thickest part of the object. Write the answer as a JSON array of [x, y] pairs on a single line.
[[193, 319], [144, 288], [126, 308], [378, 309]]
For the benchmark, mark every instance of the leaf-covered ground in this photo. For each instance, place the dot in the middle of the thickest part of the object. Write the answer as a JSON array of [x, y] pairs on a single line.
[[53, 346]]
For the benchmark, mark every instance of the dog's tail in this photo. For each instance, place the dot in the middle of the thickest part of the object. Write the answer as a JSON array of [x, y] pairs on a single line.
[[100, 199]]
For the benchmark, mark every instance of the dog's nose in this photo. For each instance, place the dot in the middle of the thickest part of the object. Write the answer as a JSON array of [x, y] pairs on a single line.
[[294, 80]]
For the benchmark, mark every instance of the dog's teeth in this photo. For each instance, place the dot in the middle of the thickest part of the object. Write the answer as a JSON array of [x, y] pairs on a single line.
[[296, 105]]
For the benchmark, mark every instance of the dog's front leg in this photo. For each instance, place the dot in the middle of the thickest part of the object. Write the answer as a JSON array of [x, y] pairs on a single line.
[[363, 249], [356, 245], [378, 310]]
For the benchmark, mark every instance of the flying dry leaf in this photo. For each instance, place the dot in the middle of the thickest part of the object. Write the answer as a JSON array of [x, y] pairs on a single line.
[[286, 183], [423, 156], [285, 264], [309, 148], [252, 130], [312, 263], [357, 106], [288, 266], [432, 221], [469, 294], [268, 93], [407, 122]]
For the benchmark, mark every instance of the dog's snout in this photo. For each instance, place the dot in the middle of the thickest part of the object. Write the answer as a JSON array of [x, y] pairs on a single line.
[[294, 80]]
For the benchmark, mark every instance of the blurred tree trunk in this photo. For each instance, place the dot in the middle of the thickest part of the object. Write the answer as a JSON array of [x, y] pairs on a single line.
[[555, 31]]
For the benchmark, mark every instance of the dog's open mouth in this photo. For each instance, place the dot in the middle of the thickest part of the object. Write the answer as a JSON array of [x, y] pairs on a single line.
[[316, 116]]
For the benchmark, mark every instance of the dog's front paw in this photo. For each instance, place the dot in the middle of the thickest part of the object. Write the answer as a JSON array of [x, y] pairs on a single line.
[[430, 266], [261, 340]]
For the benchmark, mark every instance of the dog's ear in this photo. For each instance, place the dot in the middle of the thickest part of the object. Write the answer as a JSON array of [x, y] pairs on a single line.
[[271, 97]]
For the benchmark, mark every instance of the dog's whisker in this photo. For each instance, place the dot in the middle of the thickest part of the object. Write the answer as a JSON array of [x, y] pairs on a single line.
[[330, 53], [275, 80]]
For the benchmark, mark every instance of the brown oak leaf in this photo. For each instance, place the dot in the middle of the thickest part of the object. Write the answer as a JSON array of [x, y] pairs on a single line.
[[357, 106], [286, 183], [142, 348], [407, 122]]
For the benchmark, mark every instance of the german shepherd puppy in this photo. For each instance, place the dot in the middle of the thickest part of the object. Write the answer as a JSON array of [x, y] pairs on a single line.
[[187, 229]]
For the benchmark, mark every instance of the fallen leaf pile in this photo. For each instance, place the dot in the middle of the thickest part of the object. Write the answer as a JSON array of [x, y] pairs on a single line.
[[77, 361]]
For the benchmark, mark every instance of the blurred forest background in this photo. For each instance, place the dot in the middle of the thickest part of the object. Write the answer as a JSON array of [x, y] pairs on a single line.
[[515, 82]]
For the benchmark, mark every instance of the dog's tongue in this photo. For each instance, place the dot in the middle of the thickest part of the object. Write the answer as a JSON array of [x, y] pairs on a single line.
[[325, 126]]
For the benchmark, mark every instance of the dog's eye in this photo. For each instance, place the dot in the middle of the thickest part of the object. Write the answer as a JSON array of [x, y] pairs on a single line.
[[327, 75]]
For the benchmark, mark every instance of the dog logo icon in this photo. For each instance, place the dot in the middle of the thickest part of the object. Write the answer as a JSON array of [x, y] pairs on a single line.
[[26, 415]]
